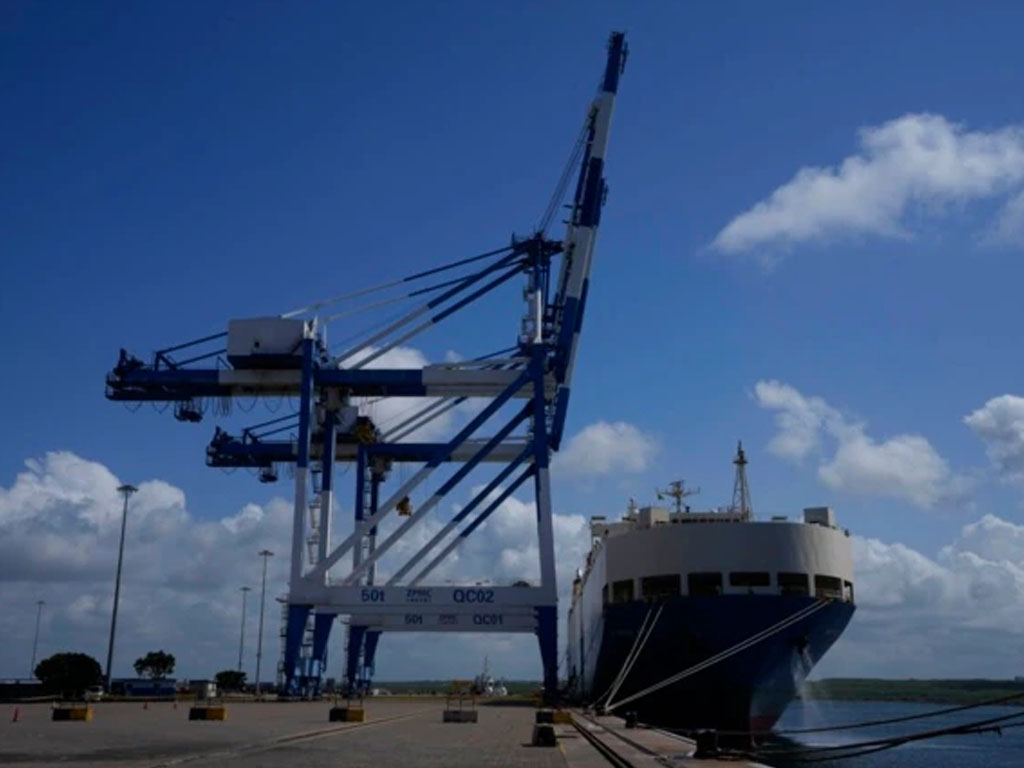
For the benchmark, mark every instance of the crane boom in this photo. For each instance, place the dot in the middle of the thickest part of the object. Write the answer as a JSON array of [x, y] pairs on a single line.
[[581, 231]]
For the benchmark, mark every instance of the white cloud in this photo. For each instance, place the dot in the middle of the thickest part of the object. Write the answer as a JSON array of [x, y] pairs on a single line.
[[904, 467], [958, 614], [1000, 426], [389, 412], [59, 528], [602, 448], [1009, 225], [800, 419], [59, 522], [917, 160]]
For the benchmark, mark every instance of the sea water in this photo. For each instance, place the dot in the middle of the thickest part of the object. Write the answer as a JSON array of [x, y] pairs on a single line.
[[985, 750]]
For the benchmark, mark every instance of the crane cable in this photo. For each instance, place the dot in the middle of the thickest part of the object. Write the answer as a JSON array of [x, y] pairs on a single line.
[[392, 283], [563, 182]]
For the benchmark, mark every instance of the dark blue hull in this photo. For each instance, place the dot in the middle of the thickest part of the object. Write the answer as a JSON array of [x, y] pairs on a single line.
[[746, 692]]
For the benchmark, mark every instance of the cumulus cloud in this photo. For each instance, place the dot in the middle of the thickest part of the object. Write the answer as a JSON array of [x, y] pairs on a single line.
[[958, 613], [1000, 426], [606, 447], [59, 528], [1009, 226], [917, 161], [904, 467]]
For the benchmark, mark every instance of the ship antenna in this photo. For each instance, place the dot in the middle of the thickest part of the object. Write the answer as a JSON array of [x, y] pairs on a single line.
[[740, 489], [678, 492]]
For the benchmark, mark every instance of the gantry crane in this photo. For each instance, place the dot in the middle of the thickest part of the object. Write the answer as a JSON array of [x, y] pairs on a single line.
[[525, 394]]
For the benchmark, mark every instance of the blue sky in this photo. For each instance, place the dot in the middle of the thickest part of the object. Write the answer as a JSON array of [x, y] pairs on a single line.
[[167, 167]]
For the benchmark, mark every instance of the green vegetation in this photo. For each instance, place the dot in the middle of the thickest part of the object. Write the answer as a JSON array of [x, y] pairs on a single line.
[[156, 665], [230, 680], [69, 674], [937, 691]]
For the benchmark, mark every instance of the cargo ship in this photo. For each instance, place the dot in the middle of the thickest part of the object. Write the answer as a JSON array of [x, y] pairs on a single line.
[[706, 619]]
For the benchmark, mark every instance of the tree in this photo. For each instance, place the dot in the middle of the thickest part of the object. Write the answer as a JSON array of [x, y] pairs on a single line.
[[69, 674], [156, 665], [230, 680]]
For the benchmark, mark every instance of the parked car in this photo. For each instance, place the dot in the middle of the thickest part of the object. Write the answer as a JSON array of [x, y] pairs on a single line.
[[95, 693]]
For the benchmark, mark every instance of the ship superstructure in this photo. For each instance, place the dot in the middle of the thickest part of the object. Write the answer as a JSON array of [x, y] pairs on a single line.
[[707, 619]]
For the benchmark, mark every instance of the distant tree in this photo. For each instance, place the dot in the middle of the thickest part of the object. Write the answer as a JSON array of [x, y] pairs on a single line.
[[69, 674], [156, 665], [230, 680]]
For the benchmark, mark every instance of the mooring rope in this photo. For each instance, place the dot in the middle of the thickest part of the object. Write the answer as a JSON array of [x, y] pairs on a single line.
[[632, 649], [630, 662], [842, 751], [904, 718], [738, 648]]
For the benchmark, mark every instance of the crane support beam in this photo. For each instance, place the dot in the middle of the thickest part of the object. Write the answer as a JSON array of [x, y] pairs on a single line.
[[287, 356], [432, 381], [464, 434], [461, 515], [237, 453], [372, 600], [435, 499], [480, 620]]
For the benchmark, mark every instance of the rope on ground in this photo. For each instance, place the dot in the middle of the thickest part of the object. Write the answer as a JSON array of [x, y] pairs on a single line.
[[738, 648]]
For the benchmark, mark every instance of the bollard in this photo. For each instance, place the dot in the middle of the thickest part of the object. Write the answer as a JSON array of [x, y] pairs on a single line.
[[64, 713], [460, 716], [707, 744], [208, 712], [544, 735], [631, 719], [14, 719], [346, 715]]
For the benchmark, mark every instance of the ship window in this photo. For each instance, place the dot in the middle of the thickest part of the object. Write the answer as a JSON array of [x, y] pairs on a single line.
[[828, 586], [848, 591], [794, 584], [704, 583], [604, 594], [750, 579], [660, 587], [622, 591]]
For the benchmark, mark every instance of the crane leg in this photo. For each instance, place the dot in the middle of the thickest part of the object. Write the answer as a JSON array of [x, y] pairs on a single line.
[[547, 635], [353, 652], [295, 629], [322, 624]]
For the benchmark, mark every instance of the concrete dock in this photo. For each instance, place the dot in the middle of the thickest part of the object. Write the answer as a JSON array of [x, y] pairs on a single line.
[[397, 733]]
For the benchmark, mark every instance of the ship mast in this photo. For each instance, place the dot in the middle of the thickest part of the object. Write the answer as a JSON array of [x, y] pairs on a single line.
[[677, 491], [740, 489]]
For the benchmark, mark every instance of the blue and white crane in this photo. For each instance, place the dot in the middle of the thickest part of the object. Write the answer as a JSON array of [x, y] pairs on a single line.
[[523, 393]]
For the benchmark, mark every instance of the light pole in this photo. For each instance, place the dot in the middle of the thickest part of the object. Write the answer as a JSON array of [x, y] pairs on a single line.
[[241, 636], [263, 600], [35, 639], [126, 490]]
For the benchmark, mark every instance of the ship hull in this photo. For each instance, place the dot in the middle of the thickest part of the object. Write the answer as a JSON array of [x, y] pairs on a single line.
[[744, 693]]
